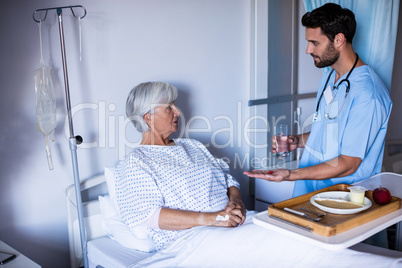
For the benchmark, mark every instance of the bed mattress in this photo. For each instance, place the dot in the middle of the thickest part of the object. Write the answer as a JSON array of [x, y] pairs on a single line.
[[259, 247], [117, 256]]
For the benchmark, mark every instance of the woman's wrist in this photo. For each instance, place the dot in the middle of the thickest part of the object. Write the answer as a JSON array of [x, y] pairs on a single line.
[[234, 193], [205, 219]]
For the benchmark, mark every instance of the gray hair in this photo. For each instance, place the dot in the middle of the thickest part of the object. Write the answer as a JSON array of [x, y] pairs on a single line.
[[144, 98]]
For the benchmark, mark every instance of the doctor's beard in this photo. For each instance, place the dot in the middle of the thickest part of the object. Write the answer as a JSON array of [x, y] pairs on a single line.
[[328, 58]]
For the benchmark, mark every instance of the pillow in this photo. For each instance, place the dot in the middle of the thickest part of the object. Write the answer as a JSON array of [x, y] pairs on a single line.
[[110, 182], [138, 238]]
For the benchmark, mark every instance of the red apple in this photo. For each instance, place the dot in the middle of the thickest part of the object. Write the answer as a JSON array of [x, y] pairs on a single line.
[[381, 195]]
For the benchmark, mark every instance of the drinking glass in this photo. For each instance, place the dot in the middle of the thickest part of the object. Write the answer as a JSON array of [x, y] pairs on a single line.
[[282, 146]]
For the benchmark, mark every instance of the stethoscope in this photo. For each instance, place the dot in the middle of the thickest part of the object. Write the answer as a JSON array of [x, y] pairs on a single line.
[[346, 80]]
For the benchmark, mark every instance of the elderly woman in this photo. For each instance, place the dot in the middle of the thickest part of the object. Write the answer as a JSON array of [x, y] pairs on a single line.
[[171, 184]]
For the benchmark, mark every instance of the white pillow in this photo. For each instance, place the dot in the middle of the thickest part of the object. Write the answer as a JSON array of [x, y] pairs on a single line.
[[138, 238], [110, 182]]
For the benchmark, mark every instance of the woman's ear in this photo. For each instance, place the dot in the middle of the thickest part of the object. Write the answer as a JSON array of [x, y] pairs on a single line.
[[147, 118]]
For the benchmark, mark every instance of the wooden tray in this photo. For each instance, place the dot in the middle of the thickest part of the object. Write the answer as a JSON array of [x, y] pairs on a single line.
[[331, 224]]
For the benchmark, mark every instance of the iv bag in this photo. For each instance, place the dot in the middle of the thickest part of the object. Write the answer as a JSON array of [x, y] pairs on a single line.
[[45, 106]]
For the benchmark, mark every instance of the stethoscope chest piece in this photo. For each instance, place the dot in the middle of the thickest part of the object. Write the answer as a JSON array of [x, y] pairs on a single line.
[[343, 81]]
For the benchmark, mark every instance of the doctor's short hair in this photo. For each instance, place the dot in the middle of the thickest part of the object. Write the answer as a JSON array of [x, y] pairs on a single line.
[[144, 98], [332, 19]]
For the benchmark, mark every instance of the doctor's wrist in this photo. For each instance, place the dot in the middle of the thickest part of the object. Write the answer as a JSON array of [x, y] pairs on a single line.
[[295, 175], [296, 141]]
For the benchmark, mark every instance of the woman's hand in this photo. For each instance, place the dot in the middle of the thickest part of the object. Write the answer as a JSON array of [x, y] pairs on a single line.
[[234, 218], [236, 209], [233, 215], [176, 219]]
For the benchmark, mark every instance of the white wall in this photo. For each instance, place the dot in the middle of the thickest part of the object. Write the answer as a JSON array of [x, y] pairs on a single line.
[[202, 47]]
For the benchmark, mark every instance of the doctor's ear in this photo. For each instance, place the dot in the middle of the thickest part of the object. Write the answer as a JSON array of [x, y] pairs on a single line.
[[339, 40]]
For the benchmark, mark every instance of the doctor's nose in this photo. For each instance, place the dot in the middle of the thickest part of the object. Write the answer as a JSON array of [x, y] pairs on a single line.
[[309, 49]]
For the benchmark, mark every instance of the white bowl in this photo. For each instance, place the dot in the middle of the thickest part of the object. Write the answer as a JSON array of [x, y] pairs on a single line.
[[339, 195]]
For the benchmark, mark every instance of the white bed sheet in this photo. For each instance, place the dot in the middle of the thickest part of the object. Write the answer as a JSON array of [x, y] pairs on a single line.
[[105, 252], [249, 245]]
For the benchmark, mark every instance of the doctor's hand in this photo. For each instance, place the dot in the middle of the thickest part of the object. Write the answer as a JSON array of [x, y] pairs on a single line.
[[293, 142], [276, 175]]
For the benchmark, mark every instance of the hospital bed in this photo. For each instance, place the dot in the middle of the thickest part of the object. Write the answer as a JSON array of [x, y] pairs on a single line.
[[269, 249]]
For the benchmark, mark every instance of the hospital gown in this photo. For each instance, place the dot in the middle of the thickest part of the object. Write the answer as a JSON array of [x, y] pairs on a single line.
[[183, 176], [358, 131]]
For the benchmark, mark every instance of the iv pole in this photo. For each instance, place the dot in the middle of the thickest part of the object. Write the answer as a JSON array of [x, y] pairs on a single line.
[[73, 140]]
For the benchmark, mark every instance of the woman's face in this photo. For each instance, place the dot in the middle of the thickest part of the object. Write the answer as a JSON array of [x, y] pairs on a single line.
[[165, 119]]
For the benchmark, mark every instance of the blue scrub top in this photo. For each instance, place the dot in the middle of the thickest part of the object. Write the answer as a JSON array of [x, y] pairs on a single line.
[[358, 131]]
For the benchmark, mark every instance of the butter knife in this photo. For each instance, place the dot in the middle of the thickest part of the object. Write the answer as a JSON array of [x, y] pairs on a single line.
[[301, 214]]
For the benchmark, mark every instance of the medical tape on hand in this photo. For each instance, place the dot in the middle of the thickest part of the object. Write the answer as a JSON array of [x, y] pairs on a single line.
[[221, 218]]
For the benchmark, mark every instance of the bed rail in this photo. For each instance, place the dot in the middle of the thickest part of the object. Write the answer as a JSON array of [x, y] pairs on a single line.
[[91, 214]]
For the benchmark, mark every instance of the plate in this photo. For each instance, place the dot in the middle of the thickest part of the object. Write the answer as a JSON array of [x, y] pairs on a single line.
[[339, 195]]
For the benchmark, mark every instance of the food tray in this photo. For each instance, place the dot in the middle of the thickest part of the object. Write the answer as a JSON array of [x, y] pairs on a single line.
[[331, 224]]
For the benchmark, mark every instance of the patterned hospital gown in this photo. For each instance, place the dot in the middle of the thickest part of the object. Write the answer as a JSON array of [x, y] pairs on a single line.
[[183, 176]]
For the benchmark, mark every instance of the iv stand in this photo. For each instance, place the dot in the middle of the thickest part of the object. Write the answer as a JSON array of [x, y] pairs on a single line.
[[73, 140]]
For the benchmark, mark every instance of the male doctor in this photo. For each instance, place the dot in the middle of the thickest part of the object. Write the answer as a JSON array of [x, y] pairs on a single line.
[[346, 141]]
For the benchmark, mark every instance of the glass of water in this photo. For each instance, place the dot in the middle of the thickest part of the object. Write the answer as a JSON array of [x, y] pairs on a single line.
[[282, 145]]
